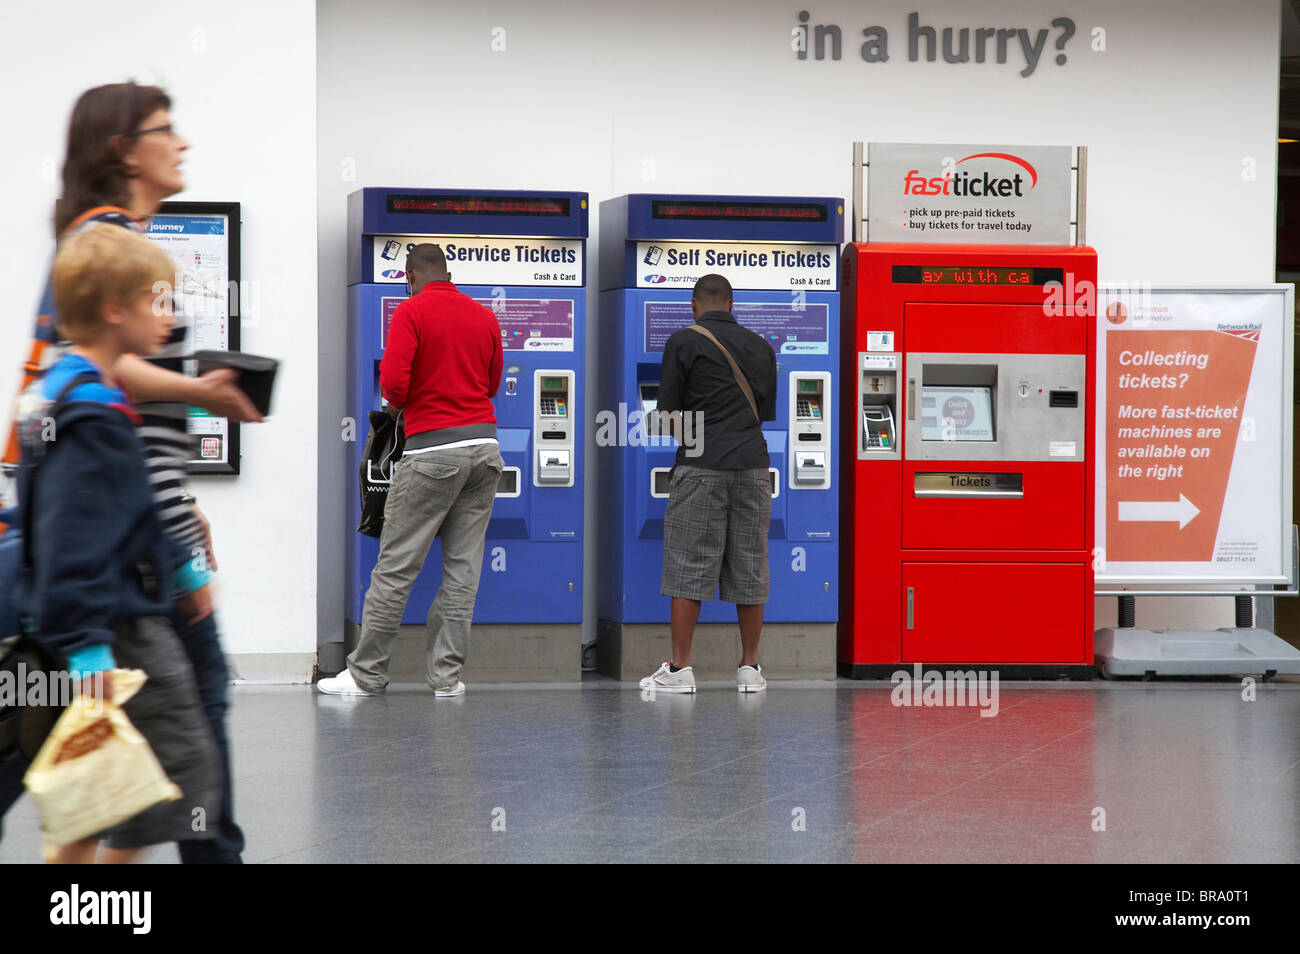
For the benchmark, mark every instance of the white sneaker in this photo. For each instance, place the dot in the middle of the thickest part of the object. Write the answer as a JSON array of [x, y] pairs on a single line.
[[456, 690], [750, 679], [664, 680], [342, 685]]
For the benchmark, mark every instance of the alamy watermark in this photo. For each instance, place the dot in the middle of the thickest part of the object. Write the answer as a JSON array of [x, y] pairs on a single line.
[[22, 687], [636, 427], [933, 688]]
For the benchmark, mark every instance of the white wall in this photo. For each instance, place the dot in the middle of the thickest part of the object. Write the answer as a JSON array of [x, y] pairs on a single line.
[[606, 98], [679, 96], [242, 77]]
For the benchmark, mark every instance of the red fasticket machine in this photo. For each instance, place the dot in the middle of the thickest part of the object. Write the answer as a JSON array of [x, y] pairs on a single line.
[[967, 466]]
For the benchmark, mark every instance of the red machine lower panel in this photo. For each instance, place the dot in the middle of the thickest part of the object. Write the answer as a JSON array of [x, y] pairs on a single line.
[[995, 613], [1036, 521]]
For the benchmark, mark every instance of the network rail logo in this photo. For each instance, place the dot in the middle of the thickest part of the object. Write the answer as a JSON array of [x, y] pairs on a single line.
[[974, 184]]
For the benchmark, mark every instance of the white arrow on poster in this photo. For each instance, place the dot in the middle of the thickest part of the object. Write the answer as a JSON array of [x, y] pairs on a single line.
[[1181, 511], [1194, 434]]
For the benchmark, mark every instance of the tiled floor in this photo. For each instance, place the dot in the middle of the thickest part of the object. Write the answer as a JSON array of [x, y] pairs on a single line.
[[1183, 771]]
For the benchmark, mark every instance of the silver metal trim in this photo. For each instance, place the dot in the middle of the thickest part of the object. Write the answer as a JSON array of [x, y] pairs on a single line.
[[857, 190], [910, 606], [519, 480], [1081, 198], [941, 483], [654, 471], [1014, 494], [1268, 593]]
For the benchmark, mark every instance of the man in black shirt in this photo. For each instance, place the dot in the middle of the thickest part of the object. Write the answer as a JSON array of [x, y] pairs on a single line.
[[720, 497]]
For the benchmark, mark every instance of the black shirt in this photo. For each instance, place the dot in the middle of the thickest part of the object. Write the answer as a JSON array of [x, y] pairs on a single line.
[[696, 377]]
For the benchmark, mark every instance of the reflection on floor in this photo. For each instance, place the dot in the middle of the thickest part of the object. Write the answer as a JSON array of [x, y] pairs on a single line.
[[1173, 771]]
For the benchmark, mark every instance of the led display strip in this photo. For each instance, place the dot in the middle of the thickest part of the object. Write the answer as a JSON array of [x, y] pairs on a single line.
[[557, 206], [740, 211], [975, 275]]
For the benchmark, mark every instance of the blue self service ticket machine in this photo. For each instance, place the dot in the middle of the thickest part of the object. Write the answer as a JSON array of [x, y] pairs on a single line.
[[522, 254], [781, 257]]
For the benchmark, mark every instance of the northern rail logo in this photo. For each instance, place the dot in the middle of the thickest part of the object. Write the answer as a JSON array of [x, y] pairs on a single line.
[[974, 184]]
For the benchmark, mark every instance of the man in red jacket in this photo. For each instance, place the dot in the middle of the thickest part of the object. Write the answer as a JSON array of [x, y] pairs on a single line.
[[441, 367]]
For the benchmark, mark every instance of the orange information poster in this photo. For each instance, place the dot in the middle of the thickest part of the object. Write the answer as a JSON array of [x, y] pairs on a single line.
[[1193, 434]]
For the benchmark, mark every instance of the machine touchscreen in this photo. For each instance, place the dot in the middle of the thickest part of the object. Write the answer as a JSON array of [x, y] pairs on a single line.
[[957, 414]]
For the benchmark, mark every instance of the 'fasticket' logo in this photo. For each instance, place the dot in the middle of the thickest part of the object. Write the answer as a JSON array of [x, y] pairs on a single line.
[[972, 184]]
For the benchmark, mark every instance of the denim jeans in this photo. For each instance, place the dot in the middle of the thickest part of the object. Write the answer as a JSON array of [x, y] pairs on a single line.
[[446, 494], [203, 646]]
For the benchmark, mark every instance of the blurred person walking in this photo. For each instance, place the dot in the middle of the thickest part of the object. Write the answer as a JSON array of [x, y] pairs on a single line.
[[123, 160], [96, 593]]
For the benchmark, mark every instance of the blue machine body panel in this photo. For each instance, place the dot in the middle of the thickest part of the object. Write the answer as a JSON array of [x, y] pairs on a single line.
[[532, 564], [802, 323]]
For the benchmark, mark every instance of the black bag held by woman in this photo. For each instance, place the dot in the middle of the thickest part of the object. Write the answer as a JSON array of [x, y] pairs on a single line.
[[378, 464]]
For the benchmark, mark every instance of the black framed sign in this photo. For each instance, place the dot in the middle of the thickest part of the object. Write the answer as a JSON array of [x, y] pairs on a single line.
[[203, 240]]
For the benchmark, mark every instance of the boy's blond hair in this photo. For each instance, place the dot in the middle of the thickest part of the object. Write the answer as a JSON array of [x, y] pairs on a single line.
[[101, 264]]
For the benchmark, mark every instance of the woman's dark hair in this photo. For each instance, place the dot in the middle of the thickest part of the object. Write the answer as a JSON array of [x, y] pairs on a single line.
[[94, 170]]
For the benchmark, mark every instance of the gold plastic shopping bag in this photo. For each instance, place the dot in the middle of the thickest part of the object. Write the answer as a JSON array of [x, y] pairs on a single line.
[[95, 769]]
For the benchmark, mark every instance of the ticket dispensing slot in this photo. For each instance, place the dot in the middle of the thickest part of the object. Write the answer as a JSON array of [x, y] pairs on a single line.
[[878, 398], [810, 430], [553, 428], [657, 427]]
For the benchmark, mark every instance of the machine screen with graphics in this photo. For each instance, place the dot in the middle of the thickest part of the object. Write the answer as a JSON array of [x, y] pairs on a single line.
[[775, 212], [476, 205], [957, 414], [974, 275]]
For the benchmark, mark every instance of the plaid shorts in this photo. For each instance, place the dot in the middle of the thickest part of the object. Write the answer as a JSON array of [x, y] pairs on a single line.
[[715, 533]]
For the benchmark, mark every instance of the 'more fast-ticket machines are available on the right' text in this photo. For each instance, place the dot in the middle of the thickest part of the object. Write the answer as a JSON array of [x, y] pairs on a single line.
[[967, 458], [781, 256]]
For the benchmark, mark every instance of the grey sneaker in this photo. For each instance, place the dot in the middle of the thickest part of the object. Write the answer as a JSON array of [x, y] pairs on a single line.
[[456, 690], [750, 679], [662, 680]]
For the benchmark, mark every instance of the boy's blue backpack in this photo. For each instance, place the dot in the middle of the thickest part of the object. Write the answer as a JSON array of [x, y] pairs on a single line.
[[23, 728]]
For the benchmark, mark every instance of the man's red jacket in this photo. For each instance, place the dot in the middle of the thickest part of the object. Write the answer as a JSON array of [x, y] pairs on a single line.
[[442, 361]]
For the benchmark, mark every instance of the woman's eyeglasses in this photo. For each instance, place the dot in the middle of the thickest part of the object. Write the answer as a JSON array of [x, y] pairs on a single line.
[[166, 128]]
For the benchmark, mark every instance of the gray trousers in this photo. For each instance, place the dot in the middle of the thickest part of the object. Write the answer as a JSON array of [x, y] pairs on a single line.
[[440, 493]]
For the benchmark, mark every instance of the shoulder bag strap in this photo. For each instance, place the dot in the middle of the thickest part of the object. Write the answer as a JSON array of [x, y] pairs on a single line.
[[735, 370]]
